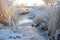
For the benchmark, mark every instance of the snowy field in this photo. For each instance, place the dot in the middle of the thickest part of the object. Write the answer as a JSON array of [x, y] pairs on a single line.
[[24, 30]]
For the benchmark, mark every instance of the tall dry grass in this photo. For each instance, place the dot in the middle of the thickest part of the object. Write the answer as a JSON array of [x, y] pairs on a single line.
[[6, 12]]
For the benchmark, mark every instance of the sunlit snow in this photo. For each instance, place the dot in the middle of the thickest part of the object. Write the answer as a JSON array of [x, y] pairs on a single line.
[[29, 2]]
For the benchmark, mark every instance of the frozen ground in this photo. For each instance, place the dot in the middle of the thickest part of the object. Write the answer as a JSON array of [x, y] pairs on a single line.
[[23, 31]]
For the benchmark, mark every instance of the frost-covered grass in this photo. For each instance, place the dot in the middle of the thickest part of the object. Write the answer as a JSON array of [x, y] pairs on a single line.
[[50, 19], [6, 34]]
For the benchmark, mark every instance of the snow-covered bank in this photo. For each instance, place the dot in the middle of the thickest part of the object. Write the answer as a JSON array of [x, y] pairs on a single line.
[[23, 33], [24, 30], [20, 23]]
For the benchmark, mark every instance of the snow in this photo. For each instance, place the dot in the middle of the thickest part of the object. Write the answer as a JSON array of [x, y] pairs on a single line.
[[37, 12], [29, 2], [23, 31], [34, 13], [25, 21], [6, 34]]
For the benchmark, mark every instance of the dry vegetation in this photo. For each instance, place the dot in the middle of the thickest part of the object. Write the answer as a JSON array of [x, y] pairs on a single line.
[[6, 13], [51, 18]]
